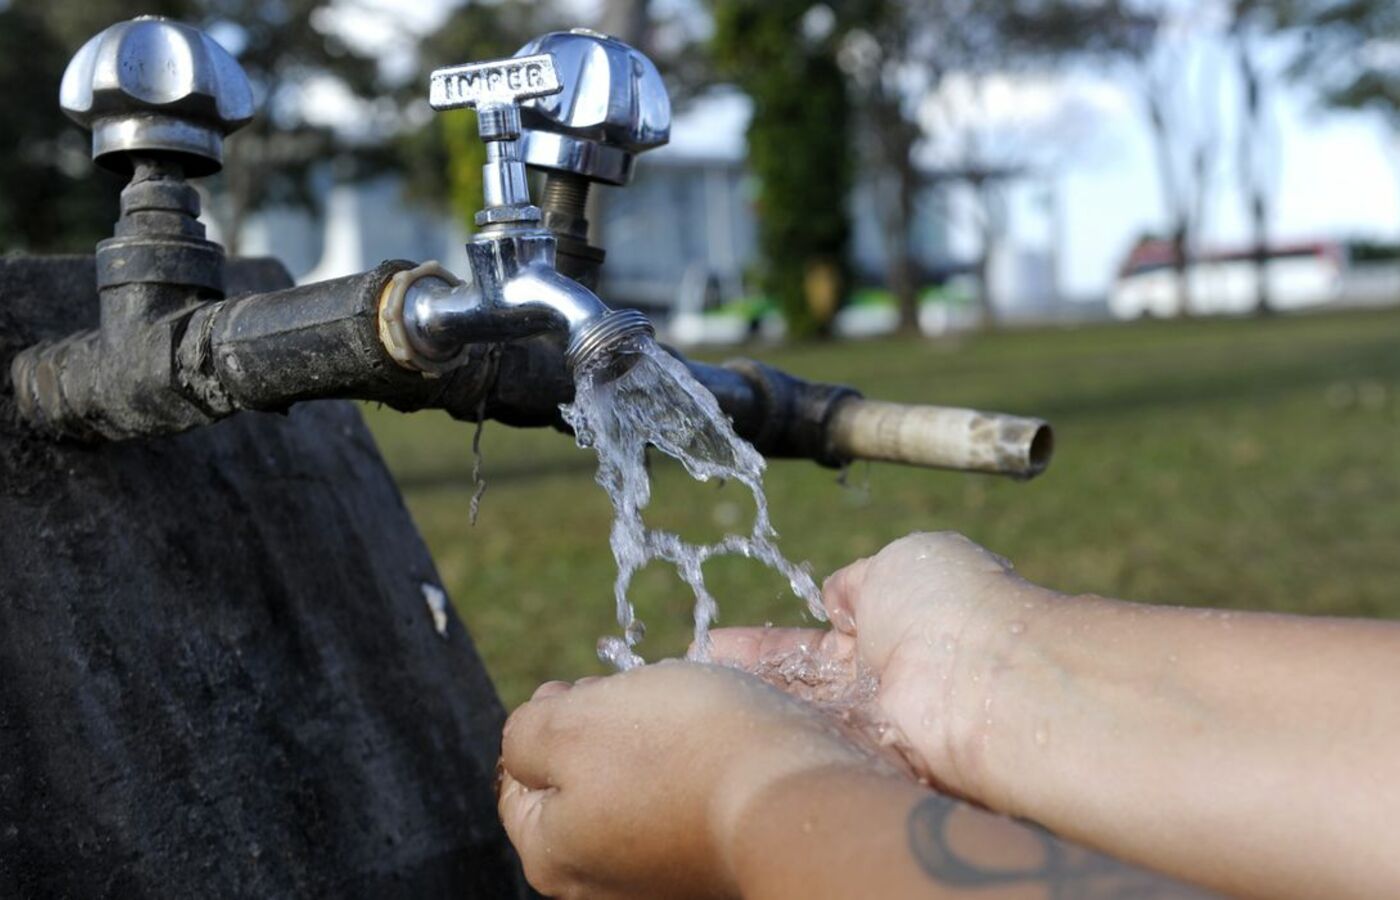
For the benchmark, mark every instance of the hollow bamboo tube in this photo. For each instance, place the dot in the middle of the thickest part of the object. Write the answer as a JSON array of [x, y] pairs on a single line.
[[941, 437]]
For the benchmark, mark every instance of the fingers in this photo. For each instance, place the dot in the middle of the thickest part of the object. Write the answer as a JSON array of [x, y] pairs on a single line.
[[746, 648], [841, 593], [763, 651], [944, 559], [522, 813], [527, 742], [550, 689], [946, 549]]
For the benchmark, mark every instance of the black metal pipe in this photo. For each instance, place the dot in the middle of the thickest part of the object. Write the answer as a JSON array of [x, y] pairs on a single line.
[[311, 342], [322, 341]]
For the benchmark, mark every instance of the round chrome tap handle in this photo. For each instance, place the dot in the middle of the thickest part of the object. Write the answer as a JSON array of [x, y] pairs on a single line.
[[152, 86], [613, 106]]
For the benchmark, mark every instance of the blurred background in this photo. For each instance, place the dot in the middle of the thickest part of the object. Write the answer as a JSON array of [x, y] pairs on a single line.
[[1171, 228]]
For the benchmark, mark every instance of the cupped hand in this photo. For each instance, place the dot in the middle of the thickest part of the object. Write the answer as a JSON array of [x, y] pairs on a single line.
[[930, 616], [635, 784]]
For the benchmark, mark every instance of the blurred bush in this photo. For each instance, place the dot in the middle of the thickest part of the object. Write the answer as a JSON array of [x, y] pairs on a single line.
[[799, 149]]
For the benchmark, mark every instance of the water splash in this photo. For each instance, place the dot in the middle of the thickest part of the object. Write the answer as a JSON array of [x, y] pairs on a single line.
[[846, 691], [644, 396]]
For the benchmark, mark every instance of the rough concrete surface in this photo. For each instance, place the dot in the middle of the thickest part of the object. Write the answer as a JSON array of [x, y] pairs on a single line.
[[218, 672]]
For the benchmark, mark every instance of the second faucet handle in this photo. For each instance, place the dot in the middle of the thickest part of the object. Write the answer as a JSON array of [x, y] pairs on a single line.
[[495, 90]]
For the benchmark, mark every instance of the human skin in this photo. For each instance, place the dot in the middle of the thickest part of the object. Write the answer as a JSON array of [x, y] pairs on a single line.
[[1255, 754], [682, 780]]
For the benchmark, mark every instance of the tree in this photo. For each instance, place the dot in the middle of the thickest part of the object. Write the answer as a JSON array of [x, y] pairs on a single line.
[[285, 48], [1179, 81], [1255, 140], [799, 149], [1348, 54], [921, 69], [1348, 51]]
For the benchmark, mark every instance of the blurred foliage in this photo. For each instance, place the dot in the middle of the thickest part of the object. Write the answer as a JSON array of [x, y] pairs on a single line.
[[51, 197], [442, 160], [901, 54], [1348, 50], [799, 150], [286, 47]]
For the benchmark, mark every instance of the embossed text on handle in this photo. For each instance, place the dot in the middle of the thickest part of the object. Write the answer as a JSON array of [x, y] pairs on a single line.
[[501, 82]]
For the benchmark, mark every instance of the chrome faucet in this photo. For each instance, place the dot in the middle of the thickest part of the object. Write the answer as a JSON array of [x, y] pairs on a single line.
[[431, 319], [613, 107]]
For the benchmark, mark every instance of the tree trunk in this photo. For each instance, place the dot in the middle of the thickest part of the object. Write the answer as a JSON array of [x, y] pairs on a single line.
[[903, 281], [1263, 299], [1181, 265], [896, 194], [990, 220], [1173, 200], [626, 20], [1252, 177]]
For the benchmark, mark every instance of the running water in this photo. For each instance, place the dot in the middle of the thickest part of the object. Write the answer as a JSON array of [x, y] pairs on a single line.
[[644, 396]]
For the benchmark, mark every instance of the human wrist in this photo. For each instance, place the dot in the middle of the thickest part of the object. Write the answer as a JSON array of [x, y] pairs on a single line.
[[992, 666], [780, 837]]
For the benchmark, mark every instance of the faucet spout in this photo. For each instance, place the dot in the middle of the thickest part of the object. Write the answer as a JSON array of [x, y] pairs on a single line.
[[515, 292], [593, 328], [554, 296]]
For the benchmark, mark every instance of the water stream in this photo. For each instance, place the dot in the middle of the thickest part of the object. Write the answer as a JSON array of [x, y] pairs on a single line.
[[618, 411]]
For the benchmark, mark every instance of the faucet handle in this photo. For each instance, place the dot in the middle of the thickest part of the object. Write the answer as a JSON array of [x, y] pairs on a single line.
[[498, 82], [614, 106], [495, 89], [151, 85]]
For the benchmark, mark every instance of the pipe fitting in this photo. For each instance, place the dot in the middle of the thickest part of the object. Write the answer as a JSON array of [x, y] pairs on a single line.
[[418, 290]]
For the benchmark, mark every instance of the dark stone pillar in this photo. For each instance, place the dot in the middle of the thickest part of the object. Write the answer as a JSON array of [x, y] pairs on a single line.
[[219, 675]]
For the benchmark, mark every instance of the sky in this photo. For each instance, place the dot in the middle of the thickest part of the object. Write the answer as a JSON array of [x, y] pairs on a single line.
[[1337, 174], [1336, 178]]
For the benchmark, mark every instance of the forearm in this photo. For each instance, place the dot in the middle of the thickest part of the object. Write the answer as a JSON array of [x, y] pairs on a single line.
[[1252, 753], [846, 834]]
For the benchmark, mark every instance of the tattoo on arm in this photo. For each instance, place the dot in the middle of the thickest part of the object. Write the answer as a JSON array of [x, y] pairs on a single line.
[[1066, 871]]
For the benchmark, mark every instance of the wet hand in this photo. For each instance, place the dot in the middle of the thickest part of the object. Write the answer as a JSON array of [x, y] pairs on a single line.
[[635, 785], [929, 615]]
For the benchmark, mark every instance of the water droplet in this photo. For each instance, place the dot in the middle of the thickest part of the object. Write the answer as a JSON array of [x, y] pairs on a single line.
[[615, 652], [1017, 627], [948, 644], [1042, 736]]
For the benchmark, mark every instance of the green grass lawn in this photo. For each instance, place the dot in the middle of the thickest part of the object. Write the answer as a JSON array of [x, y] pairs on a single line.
[[1246, 464]]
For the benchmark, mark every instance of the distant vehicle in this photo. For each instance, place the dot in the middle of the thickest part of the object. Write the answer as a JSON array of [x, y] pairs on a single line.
[[1301, 276]]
